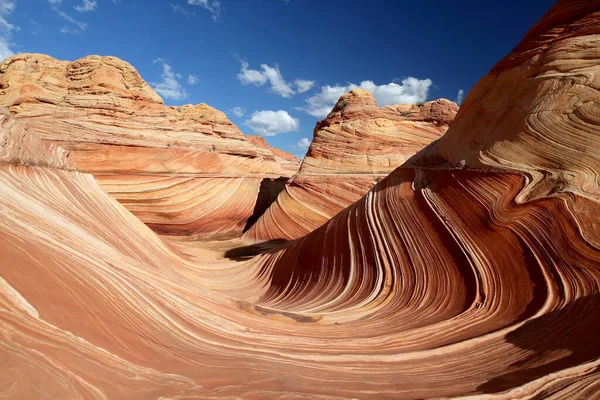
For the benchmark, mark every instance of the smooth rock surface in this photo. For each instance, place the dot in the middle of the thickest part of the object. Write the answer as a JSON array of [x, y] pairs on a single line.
[[439, 283]]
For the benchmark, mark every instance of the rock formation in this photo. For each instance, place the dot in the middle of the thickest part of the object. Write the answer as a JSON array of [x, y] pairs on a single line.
[[182, 170], [288, 161], [476, 281], [352, 149]]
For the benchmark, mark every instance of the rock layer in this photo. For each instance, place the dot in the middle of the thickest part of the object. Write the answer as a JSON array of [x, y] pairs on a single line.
[[439, 283], [167, 164], [288, 161], [352, 149], [536, 112]]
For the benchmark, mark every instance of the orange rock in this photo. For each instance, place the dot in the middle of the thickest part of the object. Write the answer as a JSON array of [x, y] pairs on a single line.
[[288, 161], [352, 149], [116, 127], [438, 283], [522, 116], [20, 145]]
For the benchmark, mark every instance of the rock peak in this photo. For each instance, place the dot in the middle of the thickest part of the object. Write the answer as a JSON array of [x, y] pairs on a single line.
[[356, 99]]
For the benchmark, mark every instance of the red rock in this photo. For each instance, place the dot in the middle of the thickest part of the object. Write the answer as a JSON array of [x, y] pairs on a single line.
[[439, 283], [183, 170], [352, 149], [288, 161]]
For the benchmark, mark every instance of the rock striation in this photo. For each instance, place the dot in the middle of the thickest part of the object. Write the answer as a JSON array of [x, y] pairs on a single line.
[[352, 149], [181, 169], [438, 283], [288, 161]]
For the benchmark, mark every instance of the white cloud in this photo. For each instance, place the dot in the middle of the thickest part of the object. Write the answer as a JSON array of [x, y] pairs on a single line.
[[303, 85], [460, 96], [268, 74], [213, 6], [321, 103], [238, 111], [79, 26], [6, 7], [6, 28], [86, 5], [270, 123], [66, 29], [192, 79], [54, 1], [36, 27], [179, 9], [169, 88], [304, 144], [410, 91], [5, 49]]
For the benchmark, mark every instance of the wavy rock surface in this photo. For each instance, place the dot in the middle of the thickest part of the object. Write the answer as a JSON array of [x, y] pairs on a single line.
[[536, 112], [352, 149], [174, 167], [436, 284]]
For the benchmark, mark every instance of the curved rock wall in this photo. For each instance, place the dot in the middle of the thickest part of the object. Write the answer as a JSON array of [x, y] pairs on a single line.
[[436, 284]]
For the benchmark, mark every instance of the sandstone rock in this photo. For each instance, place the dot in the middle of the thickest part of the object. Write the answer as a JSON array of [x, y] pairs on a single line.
[[288, 161], [436, 284], [360, 137], [352, 149], [184, 170], [20, 145], [536, 112]]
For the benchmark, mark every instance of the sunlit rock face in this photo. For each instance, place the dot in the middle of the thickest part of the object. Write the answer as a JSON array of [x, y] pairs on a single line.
[[352, 149], [183, 170], [536, 113], [288, 161], [20, 145], [438, 283]]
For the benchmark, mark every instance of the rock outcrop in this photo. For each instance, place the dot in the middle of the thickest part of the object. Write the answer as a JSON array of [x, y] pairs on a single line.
[[439, 283], [20, 145], [352, 149], [288, 161], [536, 112], [183, 169]]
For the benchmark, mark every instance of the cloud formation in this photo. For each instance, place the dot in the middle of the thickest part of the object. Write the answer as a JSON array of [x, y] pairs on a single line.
[[303, 144], [6, 29], [273, 76], [460, 96], [179, 9], [192, 79], [169, 87], [75, 27], [303, 85], [410, 91], [86, 6], [213, 6], [238, 111], [268, 74], [270, 123]]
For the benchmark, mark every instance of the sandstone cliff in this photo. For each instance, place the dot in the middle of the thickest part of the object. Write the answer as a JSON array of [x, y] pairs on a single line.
[[182, 170], [439, 283], [288, 161], [352, 149]]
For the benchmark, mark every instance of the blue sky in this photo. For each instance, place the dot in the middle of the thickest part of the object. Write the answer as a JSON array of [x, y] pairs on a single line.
[[274, 66]]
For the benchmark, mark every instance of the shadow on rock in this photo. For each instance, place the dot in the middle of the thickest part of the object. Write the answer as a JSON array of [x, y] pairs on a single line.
[[247, 252], [572, 330]]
